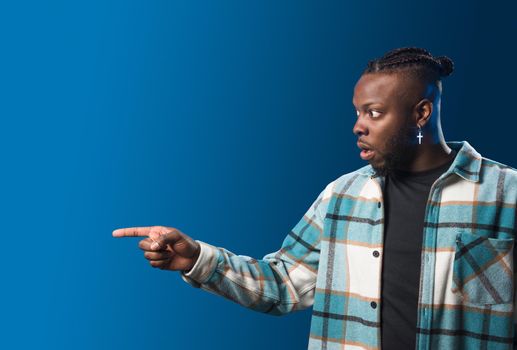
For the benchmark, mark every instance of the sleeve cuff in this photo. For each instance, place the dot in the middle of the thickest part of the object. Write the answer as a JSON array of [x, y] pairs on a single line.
[[204, 267]]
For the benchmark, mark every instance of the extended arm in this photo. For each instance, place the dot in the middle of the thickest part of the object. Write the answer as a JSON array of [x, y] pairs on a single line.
[[278, 283]]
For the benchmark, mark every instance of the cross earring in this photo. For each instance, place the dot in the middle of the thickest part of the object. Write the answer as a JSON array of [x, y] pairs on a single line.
[[419, 136]]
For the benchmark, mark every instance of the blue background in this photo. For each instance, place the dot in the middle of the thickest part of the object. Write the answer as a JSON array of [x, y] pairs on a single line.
[[224, 119]]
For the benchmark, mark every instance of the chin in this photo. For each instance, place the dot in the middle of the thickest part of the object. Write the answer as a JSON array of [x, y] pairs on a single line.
[[376, 164], [380, 168]]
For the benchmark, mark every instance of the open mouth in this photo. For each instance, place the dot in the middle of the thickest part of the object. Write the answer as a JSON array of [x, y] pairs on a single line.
[[366, 153]]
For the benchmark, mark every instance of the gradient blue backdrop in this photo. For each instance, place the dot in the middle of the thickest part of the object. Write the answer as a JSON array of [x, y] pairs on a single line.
[[221, 118]]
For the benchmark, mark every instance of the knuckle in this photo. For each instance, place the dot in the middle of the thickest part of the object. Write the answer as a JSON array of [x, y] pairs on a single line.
[[173, 232], [144, 243]]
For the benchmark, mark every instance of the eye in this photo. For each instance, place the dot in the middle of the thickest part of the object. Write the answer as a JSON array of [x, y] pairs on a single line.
[[357, 112], [373, 113]]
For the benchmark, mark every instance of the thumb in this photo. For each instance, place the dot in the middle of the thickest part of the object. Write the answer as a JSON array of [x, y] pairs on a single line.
[[160, 241], [154, 235], [180, 243]]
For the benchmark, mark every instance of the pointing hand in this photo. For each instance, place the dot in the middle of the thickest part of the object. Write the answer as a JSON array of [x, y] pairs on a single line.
[[165, 247]]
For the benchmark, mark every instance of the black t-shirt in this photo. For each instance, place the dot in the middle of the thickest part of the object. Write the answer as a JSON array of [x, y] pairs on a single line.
[[405, 198]]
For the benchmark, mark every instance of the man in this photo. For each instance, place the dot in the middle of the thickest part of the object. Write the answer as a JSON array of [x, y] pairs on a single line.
[[413, 250]]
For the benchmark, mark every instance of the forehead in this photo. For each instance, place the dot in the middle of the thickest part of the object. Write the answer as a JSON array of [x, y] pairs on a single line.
[[379, 87]]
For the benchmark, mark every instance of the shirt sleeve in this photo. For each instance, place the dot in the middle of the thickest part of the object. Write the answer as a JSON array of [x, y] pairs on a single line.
[[280, 282]]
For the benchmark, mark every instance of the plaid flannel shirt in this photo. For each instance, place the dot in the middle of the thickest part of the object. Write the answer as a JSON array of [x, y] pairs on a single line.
[[466, 298]]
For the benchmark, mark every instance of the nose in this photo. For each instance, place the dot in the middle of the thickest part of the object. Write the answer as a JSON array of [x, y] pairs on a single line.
[[360, 127]]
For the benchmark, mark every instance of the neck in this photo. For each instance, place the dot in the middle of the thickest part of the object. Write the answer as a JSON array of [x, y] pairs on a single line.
[[429, 156]]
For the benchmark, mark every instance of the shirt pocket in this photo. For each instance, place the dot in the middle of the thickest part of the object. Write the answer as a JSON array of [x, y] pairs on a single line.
[[483, 269]]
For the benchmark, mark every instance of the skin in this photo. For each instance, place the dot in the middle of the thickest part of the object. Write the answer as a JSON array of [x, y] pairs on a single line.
[[389, 106], [166, 248]]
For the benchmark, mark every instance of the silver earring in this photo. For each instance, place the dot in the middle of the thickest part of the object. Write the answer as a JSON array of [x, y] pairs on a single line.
[[419, 136]]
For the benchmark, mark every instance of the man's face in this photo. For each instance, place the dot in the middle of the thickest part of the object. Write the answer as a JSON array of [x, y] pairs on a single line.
[[385, 128]]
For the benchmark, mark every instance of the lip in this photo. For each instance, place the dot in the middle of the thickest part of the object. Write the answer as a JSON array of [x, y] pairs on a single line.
[[365, 154], [362, 145]]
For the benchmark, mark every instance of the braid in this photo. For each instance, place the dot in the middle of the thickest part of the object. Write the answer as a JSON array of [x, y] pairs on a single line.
[[406, 50], [415, 60], [446, 64]]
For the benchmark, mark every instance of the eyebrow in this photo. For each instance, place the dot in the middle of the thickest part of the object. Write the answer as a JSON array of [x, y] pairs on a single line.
[[365, 104]]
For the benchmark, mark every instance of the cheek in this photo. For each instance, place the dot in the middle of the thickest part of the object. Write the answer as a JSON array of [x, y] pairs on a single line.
[[387, 143]]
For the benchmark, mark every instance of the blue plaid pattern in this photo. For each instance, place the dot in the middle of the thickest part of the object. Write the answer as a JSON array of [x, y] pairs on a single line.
[[327, 261], [482, 269]]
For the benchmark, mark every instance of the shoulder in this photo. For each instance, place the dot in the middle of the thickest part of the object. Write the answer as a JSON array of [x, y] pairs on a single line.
[[495, 168], [498, 179]]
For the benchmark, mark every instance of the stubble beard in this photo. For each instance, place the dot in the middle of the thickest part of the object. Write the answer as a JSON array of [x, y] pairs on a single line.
[[400, 152]]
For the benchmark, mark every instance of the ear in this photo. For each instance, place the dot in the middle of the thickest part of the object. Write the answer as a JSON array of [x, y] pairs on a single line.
[[423, 110]]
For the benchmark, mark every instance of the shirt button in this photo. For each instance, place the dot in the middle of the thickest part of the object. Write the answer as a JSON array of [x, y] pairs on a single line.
[[378, 204], [373, 304], [376, 253]]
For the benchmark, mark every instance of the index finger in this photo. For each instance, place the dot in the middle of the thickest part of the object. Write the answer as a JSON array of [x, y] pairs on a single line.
[[132, 232]]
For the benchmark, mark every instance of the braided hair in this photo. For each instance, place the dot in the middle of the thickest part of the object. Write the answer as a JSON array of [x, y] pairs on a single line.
[[415, 62]]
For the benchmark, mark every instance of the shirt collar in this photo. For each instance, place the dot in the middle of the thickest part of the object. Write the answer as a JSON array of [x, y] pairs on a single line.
[[467, 162]]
